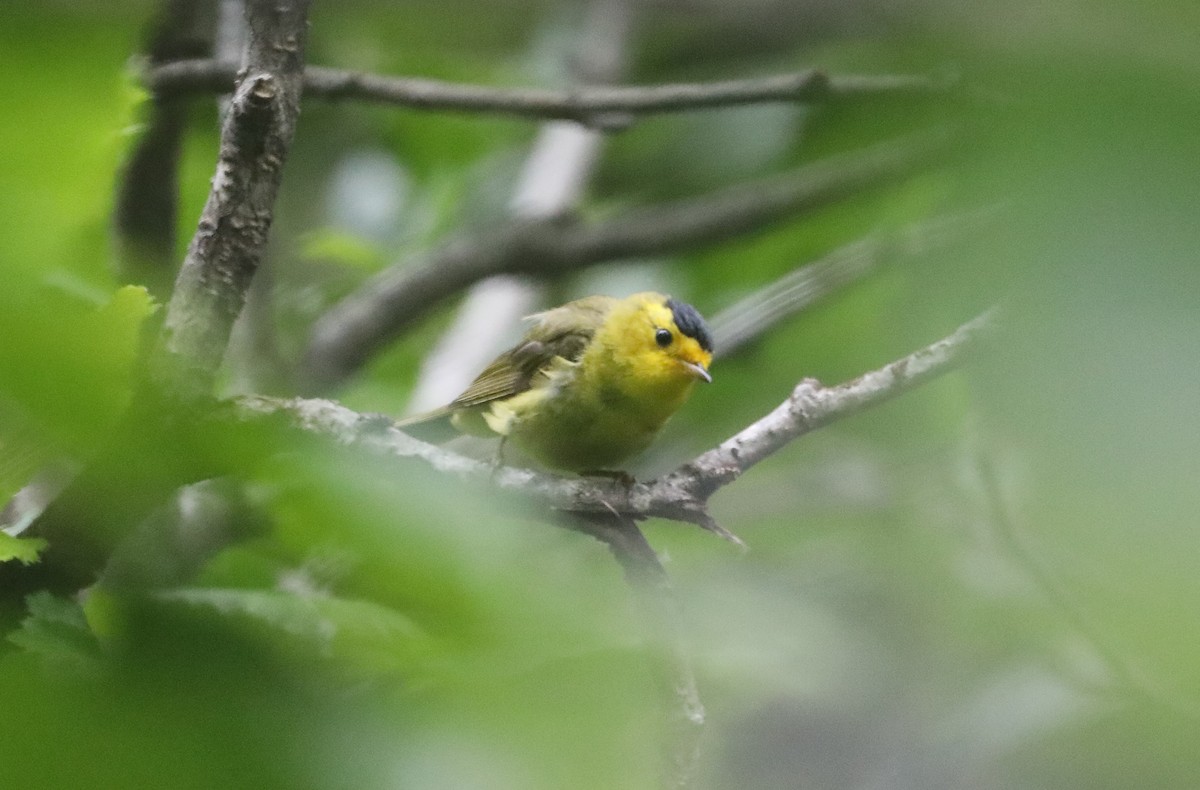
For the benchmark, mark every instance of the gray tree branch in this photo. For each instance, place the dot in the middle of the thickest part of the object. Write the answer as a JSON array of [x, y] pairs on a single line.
[[681, 495], [232, 233], [354, 329], [594, 105]]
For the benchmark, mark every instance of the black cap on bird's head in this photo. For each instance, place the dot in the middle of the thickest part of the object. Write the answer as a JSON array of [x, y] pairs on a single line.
[[690, 323]]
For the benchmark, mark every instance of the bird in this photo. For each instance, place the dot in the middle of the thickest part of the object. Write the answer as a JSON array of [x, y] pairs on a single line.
[[589, 385]]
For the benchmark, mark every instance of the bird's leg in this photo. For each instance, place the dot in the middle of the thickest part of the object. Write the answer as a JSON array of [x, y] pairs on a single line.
[[498, 459]]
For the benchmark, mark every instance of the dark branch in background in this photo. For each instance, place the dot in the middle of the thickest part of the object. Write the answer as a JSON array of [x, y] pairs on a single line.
[[147, 194], [355, 328], [232, 233], [681, 495], [753, 316], [588, 105]]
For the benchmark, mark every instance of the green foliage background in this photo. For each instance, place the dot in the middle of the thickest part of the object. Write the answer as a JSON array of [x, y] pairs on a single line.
[[990, 583]]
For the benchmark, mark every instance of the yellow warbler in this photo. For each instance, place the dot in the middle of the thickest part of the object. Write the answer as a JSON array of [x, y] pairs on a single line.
[[590, 384]]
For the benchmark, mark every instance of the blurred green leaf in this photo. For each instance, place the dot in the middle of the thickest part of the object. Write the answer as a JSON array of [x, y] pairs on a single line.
[[56, 631], [68, 373], [17, 549], [905, 617], [371, 639]]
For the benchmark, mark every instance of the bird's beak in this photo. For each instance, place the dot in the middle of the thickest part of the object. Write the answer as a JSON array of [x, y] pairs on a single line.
[[699, 370]]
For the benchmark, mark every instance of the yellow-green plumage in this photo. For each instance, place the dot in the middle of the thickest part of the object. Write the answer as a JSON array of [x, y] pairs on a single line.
[[591, 383]]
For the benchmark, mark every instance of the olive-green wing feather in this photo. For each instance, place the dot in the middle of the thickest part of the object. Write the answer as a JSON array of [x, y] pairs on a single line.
[[562, 332]]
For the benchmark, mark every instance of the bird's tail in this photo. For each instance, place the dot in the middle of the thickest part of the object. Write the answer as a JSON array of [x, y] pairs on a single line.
[[431, 426]]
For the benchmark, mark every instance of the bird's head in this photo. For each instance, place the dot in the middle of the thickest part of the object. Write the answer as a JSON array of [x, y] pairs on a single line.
[[662, 338]]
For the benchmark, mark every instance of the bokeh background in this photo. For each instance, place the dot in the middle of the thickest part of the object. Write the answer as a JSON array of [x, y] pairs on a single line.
[[989, 583]]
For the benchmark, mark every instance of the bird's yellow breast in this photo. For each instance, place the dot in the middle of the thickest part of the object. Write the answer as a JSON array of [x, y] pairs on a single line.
[[609, 405], [591, 419]]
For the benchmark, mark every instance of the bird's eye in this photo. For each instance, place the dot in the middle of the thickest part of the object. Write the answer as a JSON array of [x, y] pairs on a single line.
[[663, 337]]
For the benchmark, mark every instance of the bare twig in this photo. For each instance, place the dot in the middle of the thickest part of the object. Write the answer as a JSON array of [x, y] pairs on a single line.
[[597, 105], [355, 328], [812, 406], [232, 233], [681, 495]]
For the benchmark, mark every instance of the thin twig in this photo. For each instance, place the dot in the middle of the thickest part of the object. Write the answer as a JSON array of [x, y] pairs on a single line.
[[552, 184], [350, 333], [813, 405], [588, 105]]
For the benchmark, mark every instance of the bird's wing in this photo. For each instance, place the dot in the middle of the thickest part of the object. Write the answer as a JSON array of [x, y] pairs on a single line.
[[561, 332]]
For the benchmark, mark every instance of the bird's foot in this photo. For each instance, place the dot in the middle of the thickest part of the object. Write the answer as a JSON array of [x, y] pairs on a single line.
[[497, 459]]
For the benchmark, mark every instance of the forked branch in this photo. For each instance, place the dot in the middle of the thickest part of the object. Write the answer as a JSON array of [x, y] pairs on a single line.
[[681, 495]]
